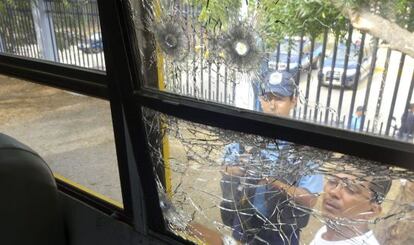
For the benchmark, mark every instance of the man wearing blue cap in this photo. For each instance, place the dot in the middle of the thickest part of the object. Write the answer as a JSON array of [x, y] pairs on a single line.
[[278, 94], [406, 131], [357, 118], [261, 206]]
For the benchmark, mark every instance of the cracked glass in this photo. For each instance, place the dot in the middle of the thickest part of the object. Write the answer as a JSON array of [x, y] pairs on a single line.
[[218, 186], [237, 52]]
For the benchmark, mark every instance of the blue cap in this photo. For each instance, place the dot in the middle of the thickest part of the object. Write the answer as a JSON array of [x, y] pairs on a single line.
[[280, 83]]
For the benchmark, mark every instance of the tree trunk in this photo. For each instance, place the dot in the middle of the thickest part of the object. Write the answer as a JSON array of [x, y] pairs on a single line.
[[397, 37]]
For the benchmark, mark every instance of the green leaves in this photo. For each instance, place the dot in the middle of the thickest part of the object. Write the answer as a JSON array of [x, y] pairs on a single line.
[[293, 17], [217, 13], [276, 19]]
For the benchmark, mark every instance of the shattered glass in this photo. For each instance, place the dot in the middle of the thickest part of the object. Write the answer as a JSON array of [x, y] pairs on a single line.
[[223, 187], [224, 52]]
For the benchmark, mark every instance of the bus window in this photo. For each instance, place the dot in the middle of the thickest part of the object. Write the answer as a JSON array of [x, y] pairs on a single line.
[[66, 32], [221, 184], [200, 154], [72, 132], [234, 54]]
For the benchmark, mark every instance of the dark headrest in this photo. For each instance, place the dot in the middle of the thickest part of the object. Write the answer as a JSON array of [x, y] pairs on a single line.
[[29, 197]]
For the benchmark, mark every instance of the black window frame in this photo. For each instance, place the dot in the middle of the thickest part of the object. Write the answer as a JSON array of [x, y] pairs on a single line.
[[90, 83], [126, 97], [382, 150]]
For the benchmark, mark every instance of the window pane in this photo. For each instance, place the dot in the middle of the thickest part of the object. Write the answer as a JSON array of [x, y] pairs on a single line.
[[247, 56], [65, 32], [217, 184], [72, 132]]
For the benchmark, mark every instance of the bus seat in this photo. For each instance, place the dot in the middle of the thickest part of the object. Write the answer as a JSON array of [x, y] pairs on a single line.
[[29, 197]]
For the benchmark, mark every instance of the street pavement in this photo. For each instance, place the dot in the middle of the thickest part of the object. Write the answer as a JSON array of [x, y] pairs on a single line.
[[73, 133]]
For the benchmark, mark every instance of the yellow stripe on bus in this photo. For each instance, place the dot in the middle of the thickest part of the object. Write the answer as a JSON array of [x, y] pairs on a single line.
[[165, 142], [379, 69], [89, 191], [161, 87]]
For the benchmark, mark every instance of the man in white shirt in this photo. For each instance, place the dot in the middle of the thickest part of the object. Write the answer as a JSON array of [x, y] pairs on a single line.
[[348, 204]]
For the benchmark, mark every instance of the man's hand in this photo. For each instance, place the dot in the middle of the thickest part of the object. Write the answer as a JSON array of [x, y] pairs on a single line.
[[299, 195], [234, 171], [205, 234]]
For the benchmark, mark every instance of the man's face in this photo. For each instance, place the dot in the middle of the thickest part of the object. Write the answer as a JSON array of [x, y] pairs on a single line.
[[346, 197], [277, 105]]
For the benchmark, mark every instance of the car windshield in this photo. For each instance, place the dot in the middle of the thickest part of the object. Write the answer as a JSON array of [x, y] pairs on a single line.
[[341, 53], [95, 37]]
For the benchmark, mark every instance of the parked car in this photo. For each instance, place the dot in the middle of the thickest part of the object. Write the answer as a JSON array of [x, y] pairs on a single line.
[[92, 44], [339, 68], [293, 59]]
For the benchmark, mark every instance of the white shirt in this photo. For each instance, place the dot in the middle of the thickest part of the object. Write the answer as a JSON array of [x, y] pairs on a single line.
[[244, 94], [364, 239]]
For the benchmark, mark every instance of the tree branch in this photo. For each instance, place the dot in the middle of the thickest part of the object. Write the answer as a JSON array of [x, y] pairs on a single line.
[[397, 37]]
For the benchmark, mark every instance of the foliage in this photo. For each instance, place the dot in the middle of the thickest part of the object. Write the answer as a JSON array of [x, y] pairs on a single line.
[[399, 11], [293, 18], [279, 18], [16, 27], [217, 13], [26, 3], [12, 3]]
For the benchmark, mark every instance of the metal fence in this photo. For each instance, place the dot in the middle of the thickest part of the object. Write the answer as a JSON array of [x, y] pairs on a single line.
[[76, 25], [64, 32], [382, 80], [376, 87], [354, 70], [17, 31]]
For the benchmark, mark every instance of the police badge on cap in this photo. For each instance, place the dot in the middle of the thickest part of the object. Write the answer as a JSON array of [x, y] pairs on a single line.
[[275, 78], [280, 83]]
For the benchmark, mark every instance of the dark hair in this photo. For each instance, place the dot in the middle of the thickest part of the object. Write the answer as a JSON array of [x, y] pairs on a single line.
[[360, 108], [379, 178], [380, 186]]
